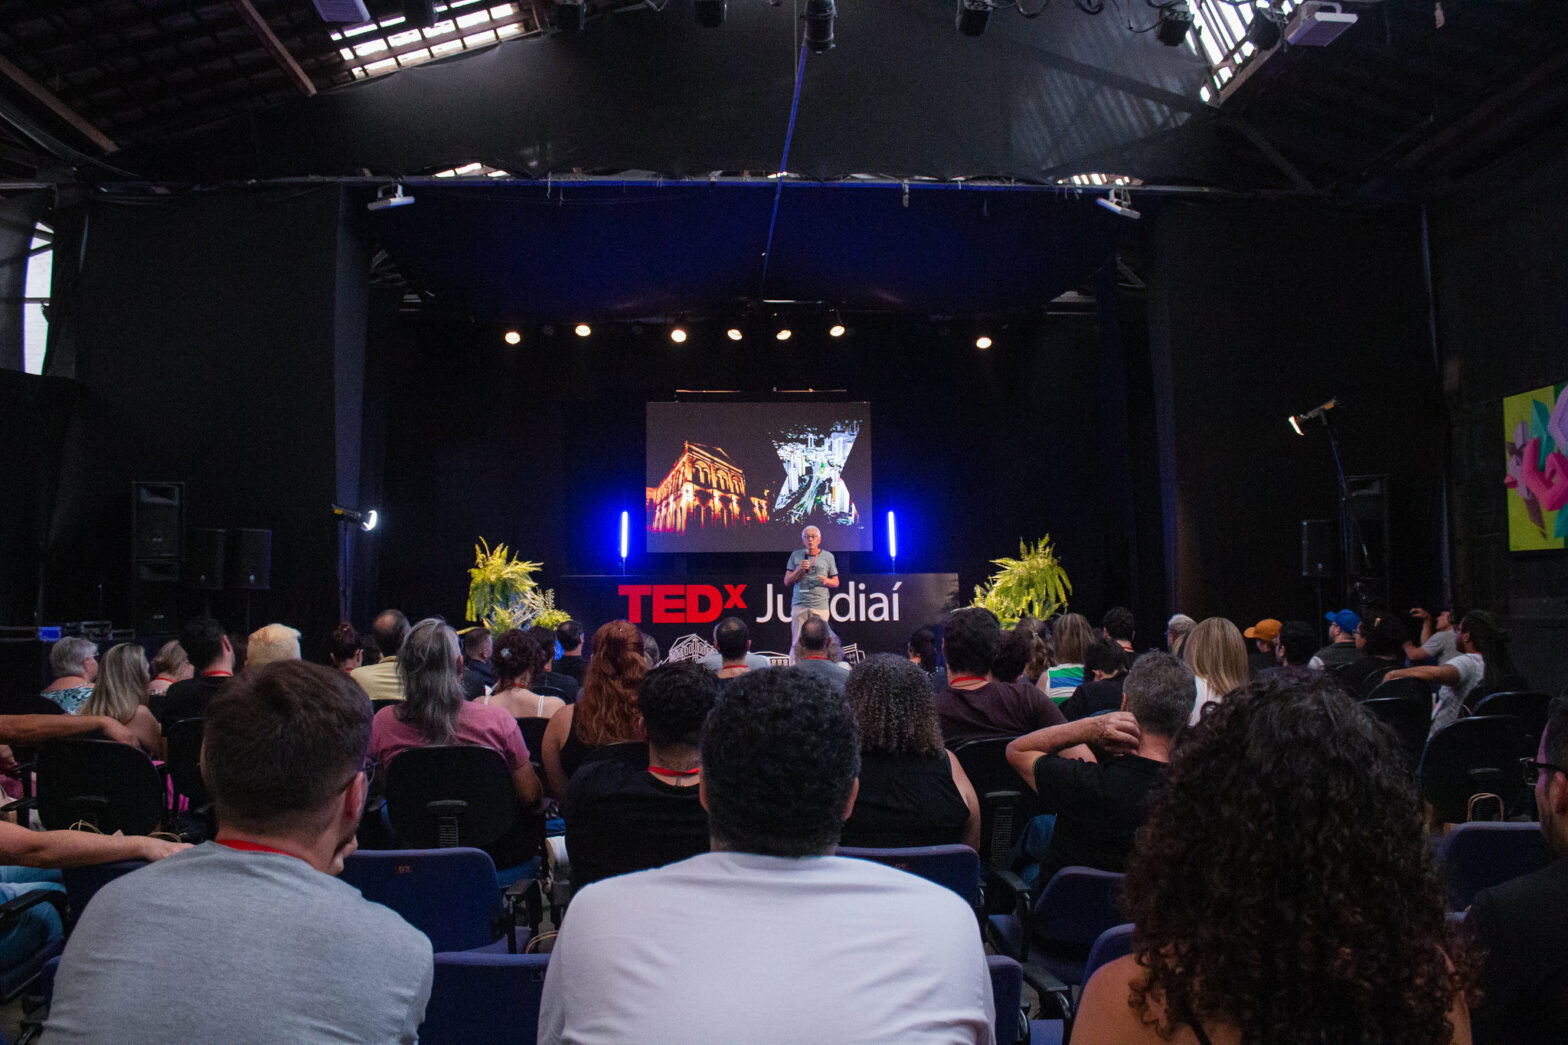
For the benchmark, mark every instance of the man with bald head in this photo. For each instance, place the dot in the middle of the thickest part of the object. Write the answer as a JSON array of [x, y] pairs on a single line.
[[381, 679], [812, 572]]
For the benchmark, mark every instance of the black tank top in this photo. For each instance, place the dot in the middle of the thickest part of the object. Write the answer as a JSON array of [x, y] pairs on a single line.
[[905, 800]]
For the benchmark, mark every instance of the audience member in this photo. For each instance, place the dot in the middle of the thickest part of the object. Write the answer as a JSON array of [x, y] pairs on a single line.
[[119, 692], [344, 647], [1105, 671], [1040, 652], [478, 671], [732, 654], [1118, 626], [548, 680], [1268, 911], [1100, 805], [168, 667], [570, 637], [1176, 631], [1071, 638], [974, 707], [1380, 641], [630, 814], [606, 713], [814, 655], [270, 644], [1218, 657], [1438, 638], [1012, 655], [1481, 667], [768, 939], [650, 651], [209, 650], [912, 790], [923, 651], [518, 659], [382, 679], [1341, 648], [1519, 926], [1297, 643], [249, 938], [1265, 636], [74, 661], [240, 644], [369, 652]]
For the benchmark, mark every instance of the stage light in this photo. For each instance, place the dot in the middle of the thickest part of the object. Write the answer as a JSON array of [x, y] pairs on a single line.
[[513, 337], [678, 335], [819, 25], [837, 329], [583, 329], [972, 16], [892, 537], [1319, 412], [626, 529], [783, 335], [1265, 28], [710, 13], [1296, 425], [367, 519], [368, 523], [1175, 20], [733, 333], [982, 342]]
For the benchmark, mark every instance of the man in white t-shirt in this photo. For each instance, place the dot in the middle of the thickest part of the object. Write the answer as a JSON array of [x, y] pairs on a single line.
[[1439, 643], [1456, 679], [768, 938]]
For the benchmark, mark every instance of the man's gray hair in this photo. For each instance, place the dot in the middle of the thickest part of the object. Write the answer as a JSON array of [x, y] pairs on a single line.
[[810, 529], [1160, 693], [69, 655]]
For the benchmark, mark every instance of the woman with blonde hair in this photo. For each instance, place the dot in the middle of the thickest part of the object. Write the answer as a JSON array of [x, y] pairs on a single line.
[[1217, 655], [119, 692], [169, 666], [606, 713], [1072, 636]]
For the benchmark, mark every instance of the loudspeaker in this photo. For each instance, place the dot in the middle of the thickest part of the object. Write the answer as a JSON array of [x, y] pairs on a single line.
[[1318, 547], [204, 558], [252, 569], [155, 595], [157, 520]]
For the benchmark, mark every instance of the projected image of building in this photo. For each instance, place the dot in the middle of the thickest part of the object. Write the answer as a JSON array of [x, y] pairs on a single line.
[[813, 473], [702, 490]]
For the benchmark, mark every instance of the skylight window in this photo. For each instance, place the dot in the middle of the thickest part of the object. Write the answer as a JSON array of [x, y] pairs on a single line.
[[392, 44]]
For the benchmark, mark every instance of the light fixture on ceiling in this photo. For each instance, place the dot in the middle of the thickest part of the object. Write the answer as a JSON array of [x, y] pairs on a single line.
[[836, 330], [983, 342], [734, 334], [710, 13], [819, 25], [1175, 20], [1263, 32], [513, 337], [783, 335], [1119, 201], [389, 196], [678, 335], [582, 330], [973, 16]]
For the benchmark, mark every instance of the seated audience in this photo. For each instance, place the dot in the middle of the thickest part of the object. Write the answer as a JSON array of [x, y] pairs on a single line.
[[478, 671], [1297, 643], [1012, 655], [240, 644], [547, 680], [1040, 652], [973, 707], [119, 691], [1100, 805], [912, 790], [1482, 667], [1381, 642], [630, 814], [732, 654], [209, 649], [74, 661], [1265, 639], [1071, 638], [1268, 912], [650, 651], [606, 712], [270, 644], [570, 638], [369, 652], [1119, 627], [768, 938], [1218, 657], [1515, 926], [1438, 638], [1105, 670], [250, 938], [517, 659], [1176, 631], [1341, 648], [814, 653], [168, 667], [343, 646], [381, 678], [922, 651]]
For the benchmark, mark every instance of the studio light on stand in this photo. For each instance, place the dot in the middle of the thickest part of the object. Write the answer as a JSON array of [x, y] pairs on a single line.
[[1350, 534], [367, 519]]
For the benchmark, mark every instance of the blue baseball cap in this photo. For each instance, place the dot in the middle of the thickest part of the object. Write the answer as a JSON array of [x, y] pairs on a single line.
[[1346, 619]]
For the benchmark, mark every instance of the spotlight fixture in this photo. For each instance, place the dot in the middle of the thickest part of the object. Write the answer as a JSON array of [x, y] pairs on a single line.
[[783, 335], [1175, 20], [982, 342], [1119, 202], [734, 334], [1319, 412], [1265, 29], [972, 16], [582, 330], [513, 337], [710, 13], [836, 330], [678, 335], [389, 196], [819, 25], [571, 15], [367, 519]]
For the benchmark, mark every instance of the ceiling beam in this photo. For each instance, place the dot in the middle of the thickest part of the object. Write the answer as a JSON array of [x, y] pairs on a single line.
[[46, 97], [274, 46]]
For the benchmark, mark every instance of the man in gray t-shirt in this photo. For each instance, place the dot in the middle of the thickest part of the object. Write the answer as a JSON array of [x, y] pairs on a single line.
[[812, 571], [250, 938]]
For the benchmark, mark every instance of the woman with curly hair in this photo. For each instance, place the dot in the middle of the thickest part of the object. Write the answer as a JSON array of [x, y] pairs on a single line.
[[1283, 890], [606, 711], [912, 789], [1217, 655]]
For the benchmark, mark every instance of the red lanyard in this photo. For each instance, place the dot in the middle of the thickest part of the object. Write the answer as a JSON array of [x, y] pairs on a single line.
[[661, 771], [965, 678]]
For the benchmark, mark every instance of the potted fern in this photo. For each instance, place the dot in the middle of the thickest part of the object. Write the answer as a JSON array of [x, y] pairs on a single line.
[[1035, 583], [502, 592]]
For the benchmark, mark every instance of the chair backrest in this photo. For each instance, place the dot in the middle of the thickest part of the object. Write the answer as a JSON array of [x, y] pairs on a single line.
[[1528, 706], [83, 883], [450, 895], [1415, 689], [377, 703], [955, 866], [1480, 855], [1472, 756], [485, 999], [1373, 680], [182, 754], [449, 795], [1077, 905], [532, 729], [112, 786], [1007, 990], [1113, 943], [1007, 804], [1409, 717]]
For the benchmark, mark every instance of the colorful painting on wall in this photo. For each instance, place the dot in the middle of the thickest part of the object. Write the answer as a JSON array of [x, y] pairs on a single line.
[[1535, 431]]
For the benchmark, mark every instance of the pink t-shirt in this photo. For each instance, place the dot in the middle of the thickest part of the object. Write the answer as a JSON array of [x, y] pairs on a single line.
[[479, 724]]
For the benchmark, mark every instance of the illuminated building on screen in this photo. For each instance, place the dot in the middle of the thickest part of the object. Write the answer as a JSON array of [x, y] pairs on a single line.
[[703, 489]]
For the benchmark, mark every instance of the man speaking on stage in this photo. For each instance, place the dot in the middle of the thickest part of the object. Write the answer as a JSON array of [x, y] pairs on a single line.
[[812, 571]]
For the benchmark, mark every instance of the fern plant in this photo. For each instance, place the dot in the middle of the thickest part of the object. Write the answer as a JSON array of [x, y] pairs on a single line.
[[502, 592], [1035, 583]]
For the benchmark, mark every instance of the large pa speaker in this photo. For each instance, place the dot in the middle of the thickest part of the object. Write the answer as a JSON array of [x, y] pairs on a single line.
[[204, 557], [252, 564], [1318, 547], [157, 520]]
